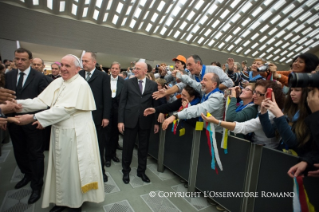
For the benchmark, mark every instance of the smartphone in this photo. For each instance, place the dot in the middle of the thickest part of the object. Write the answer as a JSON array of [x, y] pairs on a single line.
[[228, 92], [269, 93], [178, 75]]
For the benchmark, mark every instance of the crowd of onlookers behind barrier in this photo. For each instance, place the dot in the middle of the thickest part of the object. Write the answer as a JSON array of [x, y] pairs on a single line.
[[276, 109]]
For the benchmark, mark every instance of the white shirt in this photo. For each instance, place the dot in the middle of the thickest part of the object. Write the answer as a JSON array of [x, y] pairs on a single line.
[[86, 73], [114, 85], [143, 84], [25, 76]]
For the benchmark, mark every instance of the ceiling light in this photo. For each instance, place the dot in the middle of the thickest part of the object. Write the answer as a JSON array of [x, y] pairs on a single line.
[[62, 6], [115, 18], [154, 17], [160, 6], [119, 7]]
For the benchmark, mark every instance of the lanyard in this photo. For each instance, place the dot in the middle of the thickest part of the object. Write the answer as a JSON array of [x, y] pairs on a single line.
[[207, 96], [202, 74], [251, 78]]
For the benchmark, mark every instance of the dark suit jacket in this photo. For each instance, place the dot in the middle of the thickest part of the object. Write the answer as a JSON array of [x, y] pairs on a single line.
[[33, 86], [119, 87], [100, 86], [133, 104]]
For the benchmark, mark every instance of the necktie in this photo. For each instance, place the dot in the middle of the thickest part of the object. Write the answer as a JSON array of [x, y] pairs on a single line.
[[19, 87], [140, 85], [88, 76]]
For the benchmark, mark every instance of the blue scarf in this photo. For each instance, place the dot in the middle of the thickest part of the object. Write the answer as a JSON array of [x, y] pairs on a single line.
[[202, 74], [242, 106], [195, 101], [251, 78]]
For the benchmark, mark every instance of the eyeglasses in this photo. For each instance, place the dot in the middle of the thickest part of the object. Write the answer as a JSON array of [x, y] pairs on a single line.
[[134, 68], [247, 89], [259, 94]]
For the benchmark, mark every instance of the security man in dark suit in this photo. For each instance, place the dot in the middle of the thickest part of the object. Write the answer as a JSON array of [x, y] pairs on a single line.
[[100, 86], [27, 141], [117, 84], [136, 96]]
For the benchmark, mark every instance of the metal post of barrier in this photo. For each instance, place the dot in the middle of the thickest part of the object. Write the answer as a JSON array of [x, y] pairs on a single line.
[[252, 174], [194, 161], [161, 149]]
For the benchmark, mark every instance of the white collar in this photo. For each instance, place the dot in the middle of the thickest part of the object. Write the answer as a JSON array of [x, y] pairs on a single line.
[[26, 72], [114, 79]]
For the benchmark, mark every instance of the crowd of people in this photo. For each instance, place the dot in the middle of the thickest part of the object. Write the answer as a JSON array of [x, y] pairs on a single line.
[[79, 111]]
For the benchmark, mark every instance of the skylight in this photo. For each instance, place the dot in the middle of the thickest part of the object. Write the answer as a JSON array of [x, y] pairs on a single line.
[[247, 51], [62, 6], [35, 2], [109, 4], [189, 37], [137, 12], [190, 16], [246, 7], [85, 12], [169, 21], [74, 9], [226, 27], [231, 47], [200, 40], [228, 38], [128, 10], [247, 20], [50, 4], [255, 36], [215, 23], [160, 6], [176, 11], [257, 11], [96, 14], [225, 13], [105, 17], [274, 20], [177, 34], [146, 14], [239, 49], [119, 7], [290, 7], [124, 21], [236, 30], [183, 25], [132, 24], [115, 18], [211, 42], [98, 3], [154, 17], [221, 45], [208, 32], [218, 35], [199, 4]]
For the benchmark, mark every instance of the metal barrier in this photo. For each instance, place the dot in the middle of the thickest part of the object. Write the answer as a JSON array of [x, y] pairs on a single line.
[[246, 168]]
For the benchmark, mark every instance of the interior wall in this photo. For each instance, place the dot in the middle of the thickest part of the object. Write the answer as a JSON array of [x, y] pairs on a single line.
[[46, 29]]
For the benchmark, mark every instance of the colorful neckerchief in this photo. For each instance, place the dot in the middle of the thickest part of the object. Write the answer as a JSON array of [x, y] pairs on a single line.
[[251, 78], [212, 144], [300, 200], [202, 74]]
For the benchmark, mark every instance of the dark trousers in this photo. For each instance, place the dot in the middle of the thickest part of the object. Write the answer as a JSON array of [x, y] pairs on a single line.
[[27, 144], [46, 138], [101, 140], [129, 139], [112, 134]]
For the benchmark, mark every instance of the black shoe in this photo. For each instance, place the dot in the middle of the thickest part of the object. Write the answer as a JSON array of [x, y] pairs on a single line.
[[116, 159], [35, 196], [23, 182], [119, 147], [75, 209], [144, 177], [126, 178], [58, 208], [105, 178], [108, 163]]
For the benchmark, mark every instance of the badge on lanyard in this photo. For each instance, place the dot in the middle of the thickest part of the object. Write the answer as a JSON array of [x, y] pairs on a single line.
[[182, 132], [199, 125]]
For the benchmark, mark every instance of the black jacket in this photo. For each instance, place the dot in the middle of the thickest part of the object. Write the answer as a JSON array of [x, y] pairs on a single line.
[[35, 83], [100, 86], [133, 104]]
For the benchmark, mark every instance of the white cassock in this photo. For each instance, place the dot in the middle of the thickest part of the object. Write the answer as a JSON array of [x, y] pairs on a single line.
[[74, 171]]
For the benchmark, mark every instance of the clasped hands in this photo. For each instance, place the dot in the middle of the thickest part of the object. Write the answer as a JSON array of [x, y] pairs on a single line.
[[26, 119]]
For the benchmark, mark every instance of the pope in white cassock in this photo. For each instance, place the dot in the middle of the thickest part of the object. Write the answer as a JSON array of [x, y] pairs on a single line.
[[74, 169]]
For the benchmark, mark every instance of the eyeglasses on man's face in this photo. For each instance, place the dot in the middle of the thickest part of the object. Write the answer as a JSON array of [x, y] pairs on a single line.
[[138, 69]]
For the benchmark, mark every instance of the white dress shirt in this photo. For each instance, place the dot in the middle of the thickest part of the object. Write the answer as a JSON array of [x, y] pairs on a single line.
[[25, 76], [86, 73], [143, 84], [114, 85]]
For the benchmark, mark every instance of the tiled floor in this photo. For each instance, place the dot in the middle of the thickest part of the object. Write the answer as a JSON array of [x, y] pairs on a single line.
[[119, 197]]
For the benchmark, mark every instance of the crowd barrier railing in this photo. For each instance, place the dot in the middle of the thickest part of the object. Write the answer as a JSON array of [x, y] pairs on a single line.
[[256, 173]]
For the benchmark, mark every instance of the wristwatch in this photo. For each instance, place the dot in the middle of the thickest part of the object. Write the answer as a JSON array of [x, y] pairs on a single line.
[[176, 115], [35, 118]]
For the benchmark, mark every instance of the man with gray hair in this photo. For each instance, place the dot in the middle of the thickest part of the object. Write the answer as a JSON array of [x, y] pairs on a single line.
[[55, 70], [197, 71], [212, 101], [74, 171]]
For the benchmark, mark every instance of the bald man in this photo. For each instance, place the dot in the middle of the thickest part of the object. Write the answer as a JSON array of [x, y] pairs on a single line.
[[136, 96], [38, 64]]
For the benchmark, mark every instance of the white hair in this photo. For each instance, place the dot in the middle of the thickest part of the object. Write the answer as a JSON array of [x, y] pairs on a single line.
[[77, 61]]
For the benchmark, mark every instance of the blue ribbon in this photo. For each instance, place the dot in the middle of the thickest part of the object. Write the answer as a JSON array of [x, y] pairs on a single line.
[[242, 106], [212, 164], [207, 96]]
